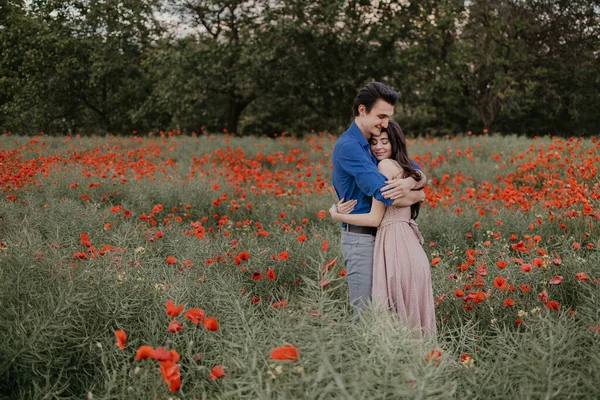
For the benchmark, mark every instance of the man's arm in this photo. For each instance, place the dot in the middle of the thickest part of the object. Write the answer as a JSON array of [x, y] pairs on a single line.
[[398, 188], [414, 196], [357, 163]]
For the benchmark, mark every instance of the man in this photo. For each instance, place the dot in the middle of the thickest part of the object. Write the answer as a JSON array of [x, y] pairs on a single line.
[[356, 177]]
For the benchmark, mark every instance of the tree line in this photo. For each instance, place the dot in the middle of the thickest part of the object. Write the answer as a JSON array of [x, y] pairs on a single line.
[[263, 66]]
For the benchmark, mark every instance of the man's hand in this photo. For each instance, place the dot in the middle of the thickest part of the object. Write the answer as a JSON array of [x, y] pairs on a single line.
[[342, 207], [397, 188]]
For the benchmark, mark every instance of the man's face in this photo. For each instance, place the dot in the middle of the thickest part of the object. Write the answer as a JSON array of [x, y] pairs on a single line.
[[378, 118]]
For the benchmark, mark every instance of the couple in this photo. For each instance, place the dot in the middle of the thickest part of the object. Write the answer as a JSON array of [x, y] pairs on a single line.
[[372, 170]]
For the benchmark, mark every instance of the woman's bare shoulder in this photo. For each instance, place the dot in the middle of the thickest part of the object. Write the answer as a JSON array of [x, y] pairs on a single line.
[[390, 168]]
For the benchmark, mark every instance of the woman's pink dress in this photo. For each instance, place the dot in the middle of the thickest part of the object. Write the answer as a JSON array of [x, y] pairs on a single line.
[[401, 273]]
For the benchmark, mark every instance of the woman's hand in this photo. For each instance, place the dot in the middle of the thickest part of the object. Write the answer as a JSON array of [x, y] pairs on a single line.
[[342, 207]]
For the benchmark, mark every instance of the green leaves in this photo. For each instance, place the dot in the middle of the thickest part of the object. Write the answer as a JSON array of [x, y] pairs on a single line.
[[259, 67]]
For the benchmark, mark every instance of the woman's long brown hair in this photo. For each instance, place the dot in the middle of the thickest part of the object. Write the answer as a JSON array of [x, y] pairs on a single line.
[[400, 154]]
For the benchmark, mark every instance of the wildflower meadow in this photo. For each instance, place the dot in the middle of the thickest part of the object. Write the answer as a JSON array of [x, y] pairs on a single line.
[[205, 266]]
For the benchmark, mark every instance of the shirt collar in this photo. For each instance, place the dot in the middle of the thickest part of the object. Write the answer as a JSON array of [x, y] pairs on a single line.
[[355, 133]]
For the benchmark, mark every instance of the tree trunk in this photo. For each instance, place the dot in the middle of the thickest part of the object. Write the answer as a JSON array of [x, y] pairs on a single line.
[[233, 117], [236, 107]]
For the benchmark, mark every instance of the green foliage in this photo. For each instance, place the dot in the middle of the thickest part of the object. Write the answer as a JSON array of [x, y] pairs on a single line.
[[59, 314], [258, 67]]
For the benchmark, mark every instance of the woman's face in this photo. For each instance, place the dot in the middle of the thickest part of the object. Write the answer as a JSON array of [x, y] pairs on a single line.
[[381, 146]]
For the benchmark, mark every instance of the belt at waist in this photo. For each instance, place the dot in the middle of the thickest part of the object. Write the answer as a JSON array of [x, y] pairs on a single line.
[[367, 230]]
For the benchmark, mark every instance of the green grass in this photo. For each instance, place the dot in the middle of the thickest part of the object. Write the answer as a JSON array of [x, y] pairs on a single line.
[[59, 314]]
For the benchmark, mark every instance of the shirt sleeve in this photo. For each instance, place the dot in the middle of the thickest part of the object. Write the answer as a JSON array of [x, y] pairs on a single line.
[[354, 160], [414, 163]]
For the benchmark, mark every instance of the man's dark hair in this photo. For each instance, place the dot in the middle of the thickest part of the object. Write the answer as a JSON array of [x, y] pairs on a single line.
[[372, 92]]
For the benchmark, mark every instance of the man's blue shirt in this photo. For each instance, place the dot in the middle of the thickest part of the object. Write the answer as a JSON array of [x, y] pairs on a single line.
[[355, 175]]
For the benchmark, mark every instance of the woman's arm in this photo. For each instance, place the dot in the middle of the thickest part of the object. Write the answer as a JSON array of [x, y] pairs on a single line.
[[372, 218]]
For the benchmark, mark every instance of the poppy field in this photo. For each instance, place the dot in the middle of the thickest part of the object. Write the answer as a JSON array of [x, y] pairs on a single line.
[[205, 266]]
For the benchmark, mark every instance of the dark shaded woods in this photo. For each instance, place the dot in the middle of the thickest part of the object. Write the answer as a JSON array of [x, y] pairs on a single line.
[[261, 67]]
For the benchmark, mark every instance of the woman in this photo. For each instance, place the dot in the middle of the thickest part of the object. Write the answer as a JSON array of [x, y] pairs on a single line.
[[401, 274]]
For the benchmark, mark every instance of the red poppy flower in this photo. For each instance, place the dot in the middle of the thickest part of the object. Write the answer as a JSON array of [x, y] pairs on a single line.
[[434, 356], [121, 338], [553, 305], [174, 327], [500, 283], [509, 302], [581, 276], [537, 262], [174, 355], [256, 275], [216, 373], [323, 283], [502, 264], [478, 297], [271, 274], [302, 238], [284, 255], [526, 268], [244, 255], [520, 246], [170, 373], [172, 310], [196, 315], [435, 261], [284, 353], [330, 264], [211, 324], [144, 352], [80, 255], [280, 304], [557, 280], [160, 354], [171, 260], [459, 293], [556, 261]]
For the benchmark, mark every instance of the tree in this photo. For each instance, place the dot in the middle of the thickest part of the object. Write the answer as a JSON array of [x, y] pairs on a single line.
[[526, 59], [232, 53], [75, 64]]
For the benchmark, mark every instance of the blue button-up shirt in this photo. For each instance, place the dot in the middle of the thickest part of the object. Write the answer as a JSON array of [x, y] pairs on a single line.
[[355, 175]]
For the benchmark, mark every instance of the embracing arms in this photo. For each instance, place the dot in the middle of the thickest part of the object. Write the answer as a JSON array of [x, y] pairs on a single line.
[[400, 187], [373, 218]]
